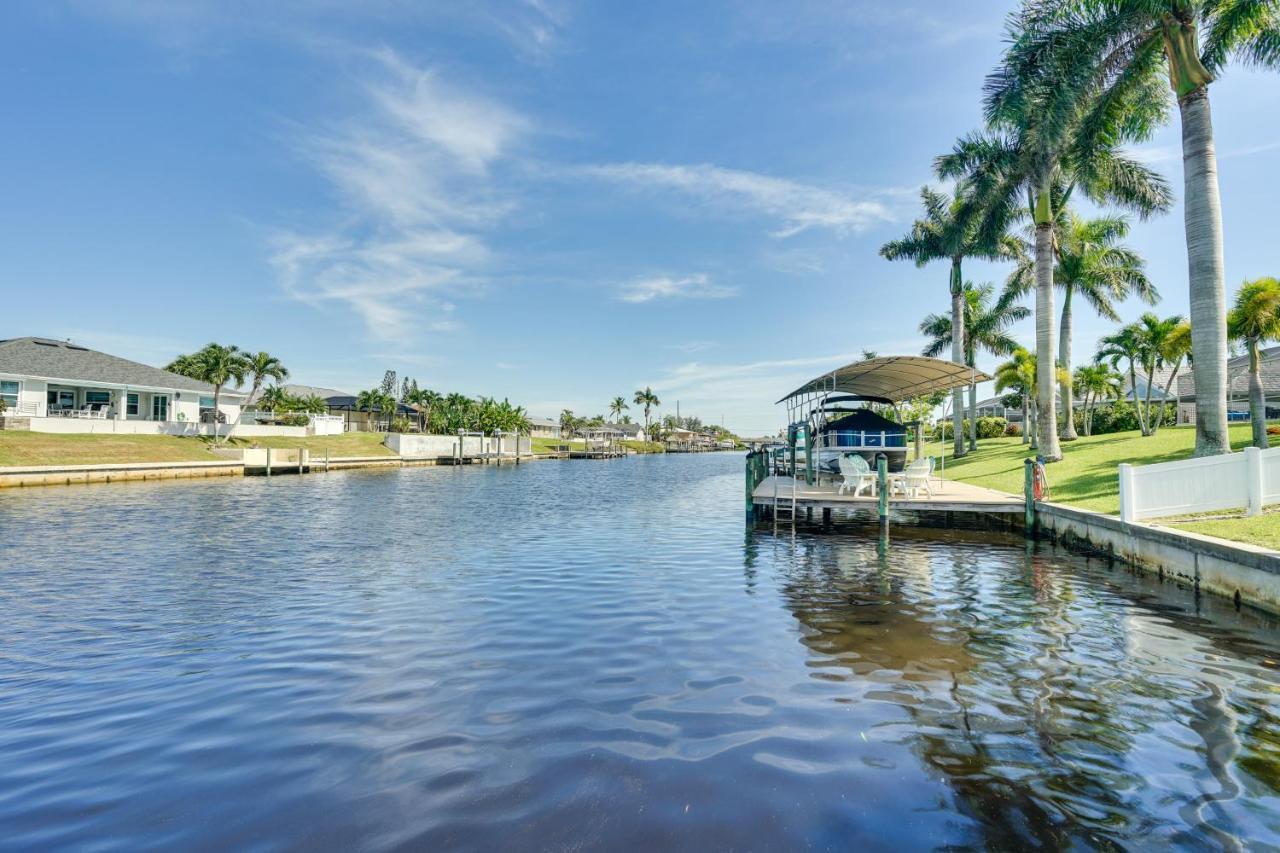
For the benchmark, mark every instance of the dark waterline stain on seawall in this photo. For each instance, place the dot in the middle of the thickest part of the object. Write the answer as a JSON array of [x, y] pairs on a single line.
[[583, 655]]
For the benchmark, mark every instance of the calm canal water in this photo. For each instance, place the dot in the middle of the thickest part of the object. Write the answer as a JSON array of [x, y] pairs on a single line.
[[598, 656]]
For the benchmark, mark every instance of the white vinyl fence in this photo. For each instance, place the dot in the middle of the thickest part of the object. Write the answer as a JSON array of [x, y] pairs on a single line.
[[1247, 480]]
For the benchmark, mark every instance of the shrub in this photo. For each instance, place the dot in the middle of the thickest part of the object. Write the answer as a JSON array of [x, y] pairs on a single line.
[[1013, 430], [991, 427], [1273, 430], [400, 423], [295, 419]]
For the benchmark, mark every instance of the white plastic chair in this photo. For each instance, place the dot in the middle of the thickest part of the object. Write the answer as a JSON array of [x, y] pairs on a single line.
[[916, 477], [856, 474]]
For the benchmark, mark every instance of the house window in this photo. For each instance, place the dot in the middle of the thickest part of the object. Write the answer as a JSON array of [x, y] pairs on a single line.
[[60, 400], [96, 399], [9, 393], [131, 406], [160, 408]]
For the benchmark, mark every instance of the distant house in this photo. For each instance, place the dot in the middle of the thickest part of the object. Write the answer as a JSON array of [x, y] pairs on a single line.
[[995, 407], [1238, 389], [544, 428], [60, 386], [630, 432]]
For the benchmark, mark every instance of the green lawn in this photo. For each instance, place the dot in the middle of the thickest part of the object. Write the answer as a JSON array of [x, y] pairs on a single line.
[[1088, 475], [42, 448], [1263, 530]]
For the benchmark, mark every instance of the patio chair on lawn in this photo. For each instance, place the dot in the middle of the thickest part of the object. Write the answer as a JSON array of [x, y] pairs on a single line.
[[857, 475]]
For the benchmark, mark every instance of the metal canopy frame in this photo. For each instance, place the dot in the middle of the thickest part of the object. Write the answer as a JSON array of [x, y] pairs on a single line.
[[895, 378]]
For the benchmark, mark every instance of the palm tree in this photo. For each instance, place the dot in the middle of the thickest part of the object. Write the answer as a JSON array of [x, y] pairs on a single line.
[[1256, 318], [264, 365], [1091, 264], [952, 231], [1018, 375], [216, 365], [568, 424], [1175, 349], [424, 399], [1156, 336], [984, 328], [1035, 157], [1128, 49], [617, 407], [273, 399], [1125, 344], [376, 400], [1096, 382], [648, 400]]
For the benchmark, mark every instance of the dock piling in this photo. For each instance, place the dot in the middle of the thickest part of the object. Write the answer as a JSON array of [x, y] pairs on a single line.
[[268, 461], [882, 484], [1029, 494]]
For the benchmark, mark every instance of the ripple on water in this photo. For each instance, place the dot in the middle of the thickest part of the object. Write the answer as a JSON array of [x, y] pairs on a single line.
[[597, 656]]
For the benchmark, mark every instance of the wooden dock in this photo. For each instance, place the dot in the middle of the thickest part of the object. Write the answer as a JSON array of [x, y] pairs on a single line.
[[948, 496]]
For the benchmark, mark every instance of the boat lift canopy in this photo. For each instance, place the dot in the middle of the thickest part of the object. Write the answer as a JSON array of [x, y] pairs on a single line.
[[891, 378]]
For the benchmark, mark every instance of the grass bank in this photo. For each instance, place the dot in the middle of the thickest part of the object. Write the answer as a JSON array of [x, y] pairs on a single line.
[[41, 448], [19, 448], [1088, 475]]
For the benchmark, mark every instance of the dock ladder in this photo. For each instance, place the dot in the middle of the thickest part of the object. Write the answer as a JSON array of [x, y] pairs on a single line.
[[782, 506]]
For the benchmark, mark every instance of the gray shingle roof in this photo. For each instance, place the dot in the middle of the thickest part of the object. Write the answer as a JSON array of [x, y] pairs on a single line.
[[301, 391], [46, 358], [1238, 370]]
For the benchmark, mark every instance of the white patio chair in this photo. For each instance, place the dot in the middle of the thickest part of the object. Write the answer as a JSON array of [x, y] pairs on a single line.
[[916, 477], [856, 474]]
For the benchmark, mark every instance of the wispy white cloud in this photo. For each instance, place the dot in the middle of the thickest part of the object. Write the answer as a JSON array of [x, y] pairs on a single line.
[[414, 177], [697, 286], [691, 346], [794, 205]]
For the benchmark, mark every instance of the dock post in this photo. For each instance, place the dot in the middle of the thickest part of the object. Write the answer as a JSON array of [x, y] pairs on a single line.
[[882, 483], [826, 516], [326, 459], [268, 461], [751, 503], [1029, 494]]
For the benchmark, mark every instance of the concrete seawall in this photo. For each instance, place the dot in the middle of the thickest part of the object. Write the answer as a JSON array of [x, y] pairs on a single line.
[[65, 475], [1247, 573]]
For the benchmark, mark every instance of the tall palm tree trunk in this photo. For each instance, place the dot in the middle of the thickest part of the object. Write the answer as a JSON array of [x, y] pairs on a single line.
[[1164, 398], [1026, 419], [957, 355], [1035, 426], [1203, 215], [973, 416], [1257, 405], [1064, 358], [1046, 379]]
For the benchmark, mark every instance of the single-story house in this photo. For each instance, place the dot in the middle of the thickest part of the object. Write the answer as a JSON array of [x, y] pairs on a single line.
[[342, 404], [995, 407], [630, 432], [1238, 389], [544, 428], [59, 386]]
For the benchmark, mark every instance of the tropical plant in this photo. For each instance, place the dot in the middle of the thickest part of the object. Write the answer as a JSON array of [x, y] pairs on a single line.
[[617, 406], [984, 328], [1035, 158], [1093, 265], [1126, 344], [264, 365], [1125, 51], [425, 400], [309, 404], [274, 399], [647, 400], [216, 365], [377, 400], [1018, 375], [1096, 383], [1253, 319], [952, 230], [1157, 337], [1175, 348]]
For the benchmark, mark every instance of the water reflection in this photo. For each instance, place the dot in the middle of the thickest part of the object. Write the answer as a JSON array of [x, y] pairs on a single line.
[[1062, 708], [579, 656]]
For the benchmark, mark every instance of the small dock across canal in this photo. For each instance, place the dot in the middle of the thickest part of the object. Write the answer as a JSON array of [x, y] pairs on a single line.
[[948, 496]]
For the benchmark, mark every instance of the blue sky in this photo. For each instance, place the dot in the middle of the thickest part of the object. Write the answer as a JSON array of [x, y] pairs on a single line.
[[550, 201]]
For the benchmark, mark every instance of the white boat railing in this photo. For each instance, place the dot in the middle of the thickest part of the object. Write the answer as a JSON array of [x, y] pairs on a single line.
[[862, 440]]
